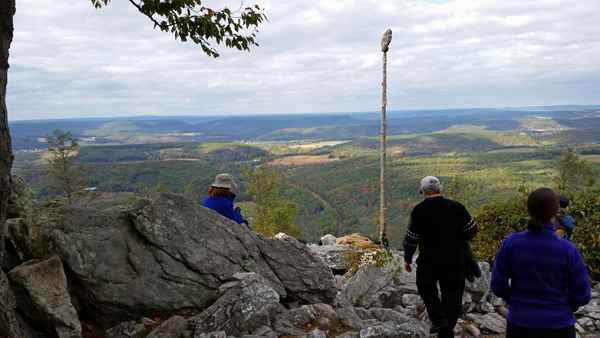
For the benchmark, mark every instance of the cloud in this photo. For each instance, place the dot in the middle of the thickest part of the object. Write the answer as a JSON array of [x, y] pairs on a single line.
[[71, 60]]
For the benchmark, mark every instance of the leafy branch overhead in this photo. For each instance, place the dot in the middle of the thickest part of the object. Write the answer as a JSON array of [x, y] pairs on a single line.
[[188, 19]]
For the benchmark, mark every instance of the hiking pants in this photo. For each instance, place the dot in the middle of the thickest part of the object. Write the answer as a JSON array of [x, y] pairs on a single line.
[[452, 284]]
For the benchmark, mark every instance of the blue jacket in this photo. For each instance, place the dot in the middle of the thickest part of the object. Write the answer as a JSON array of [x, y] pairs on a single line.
[[548, 279], [224, 207], [569, 223]]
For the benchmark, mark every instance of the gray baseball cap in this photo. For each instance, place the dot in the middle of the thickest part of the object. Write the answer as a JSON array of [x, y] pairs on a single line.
[[224, 181], [430, 181]]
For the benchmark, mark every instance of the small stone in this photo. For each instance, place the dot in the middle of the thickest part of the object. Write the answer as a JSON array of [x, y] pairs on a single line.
[[502, 311], [473, 330], [597, 324], [457, 330], [316, 333], [579, 328], [586, 323], [328, 240], [486, 307], [595, 294]]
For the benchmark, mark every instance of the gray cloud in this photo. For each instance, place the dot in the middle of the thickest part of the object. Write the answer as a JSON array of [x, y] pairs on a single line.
[[71, 60]]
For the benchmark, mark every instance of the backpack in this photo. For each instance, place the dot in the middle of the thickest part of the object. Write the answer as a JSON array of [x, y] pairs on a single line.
[[560, 229]]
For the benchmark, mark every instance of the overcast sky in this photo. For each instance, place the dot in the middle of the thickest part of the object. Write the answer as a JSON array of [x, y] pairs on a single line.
[[68, 59]]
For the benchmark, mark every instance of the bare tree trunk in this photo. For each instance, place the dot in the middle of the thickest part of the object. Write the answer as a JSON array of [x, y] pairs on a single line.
[[383, 206], [8, 323]]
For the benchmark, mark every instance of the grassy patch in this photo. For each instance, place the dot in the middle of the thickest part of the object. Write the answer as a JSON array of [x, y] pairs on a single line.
[[303, 159]]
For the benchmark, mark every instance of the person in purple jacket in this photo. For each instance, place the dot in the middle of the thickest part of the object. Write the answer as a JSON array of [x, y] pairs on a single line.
[[540, 276], [220, 198]]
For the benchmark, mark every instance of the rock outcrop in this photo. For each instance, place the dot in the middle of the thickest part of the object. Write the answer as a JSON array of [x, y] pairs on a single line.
[[162, 257], [41, 291], [244, 304]]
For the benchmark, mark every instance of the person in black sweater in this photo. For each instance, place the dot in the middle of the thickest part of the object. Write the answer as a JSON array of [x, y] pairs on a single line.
[[439, 227]]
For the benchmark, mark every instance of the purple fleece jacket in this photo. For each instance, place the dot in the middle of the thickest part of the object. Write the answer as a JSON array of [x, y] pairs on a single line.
[[548, 279], [224, 207]]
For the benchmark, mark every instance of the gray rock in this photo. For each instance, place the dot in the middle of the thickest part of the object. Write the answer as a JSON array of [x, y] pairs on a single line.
[[364, 314], [473, 330], [475, 318], [391, 330], [316, 333], [495, 300], [349, 335], [349, 318], [299, 316], [586, 323], [493, 323], [370, 287], [162, 257], [595, 315], [389, 315], [590, 308], [171, 328], [9, 319], [332, 255], [323, 310], [597, 324], [486, 307], [265, 332], [502, 311], [125, 330], [41, 292], [413, 300], [481, 286], [340, 281], [244, 305], [467, 302], [595, 294], [285, 328], [21, 197], [597, 287], [328, 240], [579, 328]]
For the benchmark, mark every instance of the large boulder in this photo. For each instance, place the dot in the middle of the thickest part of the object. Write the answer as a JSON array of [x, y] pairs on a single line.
[[480, 287], [41, 292], [370, 288], [21, 197], [332, 255], [245, 303], [162, 257]]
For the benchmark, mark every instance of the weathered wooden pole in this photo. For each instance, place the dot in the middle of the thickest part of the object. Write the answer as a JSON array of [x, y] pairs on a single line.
[[385, 43]]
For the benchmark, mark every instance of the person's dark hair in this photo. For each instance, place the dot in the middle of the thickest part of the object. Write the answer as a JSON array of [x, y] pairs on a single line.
[[542, 205], [215, 193]]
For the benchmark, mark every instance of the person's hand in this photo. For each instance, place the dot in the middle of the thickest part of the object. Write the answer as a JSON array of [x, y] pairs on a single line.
[[407, 267], [238, 210]]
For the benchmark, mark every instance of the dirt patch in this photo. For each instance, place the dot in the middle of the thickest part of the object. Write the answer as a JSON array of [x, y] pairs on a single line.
[[590, 158], [303, 159]]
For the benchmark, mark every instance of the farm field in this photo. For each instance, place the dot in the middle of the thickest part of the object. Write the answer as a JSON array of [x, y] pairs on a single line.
[[513, 150], [590, 158], [318, 144], [303, 159]]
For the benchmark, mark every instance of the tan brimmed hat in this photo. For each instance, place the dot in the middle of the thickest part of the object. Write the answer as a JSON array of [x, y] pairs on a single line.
[[224, 181]]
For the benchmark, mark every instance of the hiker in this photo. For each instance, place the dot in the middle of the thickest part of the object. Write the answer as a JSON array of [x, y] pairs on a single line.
[[548, 279], [220, 198], [564, 224], [439, 227]]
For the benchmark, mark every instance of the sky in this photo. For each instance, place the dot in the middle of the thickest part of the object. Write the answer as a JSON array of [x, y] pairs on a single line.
[[70, 60]]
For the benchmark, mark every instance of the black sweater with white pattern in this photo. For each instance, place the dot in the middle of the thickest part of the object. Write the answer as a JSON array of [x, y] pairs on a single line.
[[438, 227]]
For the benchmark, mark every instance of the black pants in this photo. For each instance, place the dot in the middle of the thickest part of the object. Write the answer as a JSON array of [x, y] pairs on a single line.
[[514, 331], [452, 285]]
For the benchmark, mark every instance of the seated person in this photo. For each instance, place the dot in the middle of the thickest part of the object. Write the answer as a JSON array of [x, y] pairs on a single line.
[[220, 198], [563, 223]]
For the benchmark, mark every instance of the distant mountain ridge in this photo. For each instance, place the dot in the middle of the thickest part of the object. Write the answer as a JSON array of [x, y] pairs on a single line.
[[286, 127]]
